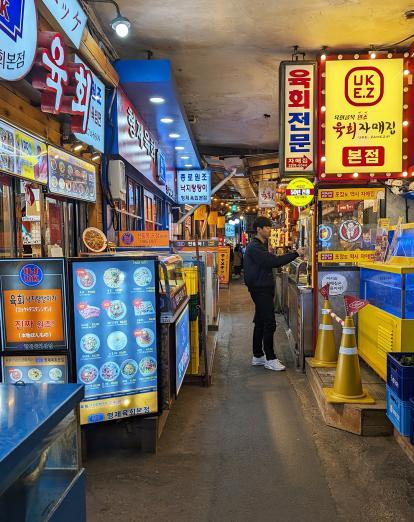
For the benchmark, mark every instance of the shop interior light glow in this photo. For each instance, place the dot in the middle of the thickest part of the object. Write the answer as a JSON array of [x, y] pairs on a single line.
[[95, 156], [78, 147], [236, 221], [157, 99]]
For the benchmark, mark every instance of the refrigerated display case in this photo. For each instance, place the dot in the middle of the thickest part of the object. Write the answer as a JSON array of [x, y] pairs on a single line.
[[33, 324], [41, 477]]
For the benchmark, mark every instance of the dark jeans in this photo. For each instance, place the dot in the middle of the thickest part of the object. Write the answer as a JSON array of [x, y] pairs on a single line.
[[264, 322]]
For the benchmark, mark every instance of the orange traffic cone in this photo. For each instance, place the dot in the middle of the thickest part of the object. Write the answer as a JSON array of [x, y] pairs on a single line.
[[325, 353], [348, 386]]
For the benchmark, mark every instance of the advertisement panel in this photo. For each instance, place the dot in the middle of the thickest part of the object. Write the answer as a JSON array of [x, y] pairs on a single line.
[[223, 264], [300, 192], [364, 116], [71, 176], [22, 155], [193, 187], [182, 347], [37, 369], [297, 118], [267, 194], [350, 194], [33, 307], [144, 238], [115, 336]]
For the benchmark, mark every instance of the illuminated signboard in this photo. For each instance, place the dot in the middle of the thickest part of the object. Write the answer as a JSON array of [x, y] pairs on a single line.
[[297, 118], [300, 192], [70, 16], [193, 187], [363, 127], [18, 38]]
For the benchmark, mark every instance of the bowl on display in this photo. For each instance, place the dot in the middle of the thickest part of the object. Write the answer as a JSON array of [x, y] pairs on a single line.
[[117, 310], [117, 341], [147, 366], [109, 371], [113, 277], [90, 343], [88, 374], [145, 337], [86, 278], [142, 276], [129, 368]]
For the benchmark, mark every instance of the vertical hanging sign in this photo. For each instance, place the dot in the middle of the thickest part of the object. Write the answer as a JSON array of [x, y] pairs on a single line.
[[297, 102]]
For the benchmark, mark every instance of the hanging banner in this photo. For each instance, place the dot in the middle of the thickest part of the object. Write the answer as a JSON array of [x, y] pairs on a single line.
[[364, 116], [267, 194], [297, 102], [212, 218], [200, 213], [300, 192], [193, 187], [144, 238], [230, 230], [18, 38], [221, 221], [223, 263], [22, 155], [70, 16]]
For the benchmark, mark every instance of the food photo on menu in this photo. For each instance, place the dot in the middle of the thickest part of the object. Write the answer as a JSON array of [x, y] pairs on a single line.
[[115, 326]]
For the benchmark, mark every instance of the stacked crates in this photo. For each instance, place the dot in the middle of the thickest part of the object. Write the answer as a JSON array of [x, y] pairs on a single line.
[[400, 389], [191, 281]]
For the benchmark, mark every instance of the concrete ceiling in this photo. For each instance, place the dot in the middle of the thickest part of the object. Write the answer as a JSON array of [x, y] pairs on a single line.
[[226, 53]]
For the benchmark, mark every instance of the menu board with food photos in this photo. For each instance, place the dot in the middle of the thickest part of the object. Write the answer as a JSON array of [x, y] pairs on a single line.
[[114, 307], [71, 176], [35, 369]]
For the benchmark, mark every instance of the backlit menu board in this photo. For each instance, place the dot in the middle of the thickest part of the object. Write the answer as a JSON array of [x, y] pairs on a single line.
[[182, 347], [115, 333], [35, 369], [71, 176], [32, 300]]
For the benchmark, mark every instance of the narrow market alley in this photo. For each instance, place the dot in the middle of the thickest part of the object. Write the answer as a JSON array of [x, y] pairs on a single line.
[[251, 447]]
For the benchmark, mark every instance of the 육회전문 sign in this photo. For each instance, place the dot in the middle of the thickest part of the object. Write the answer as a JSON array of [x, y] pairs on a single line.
[[193, 187], [297, 118]]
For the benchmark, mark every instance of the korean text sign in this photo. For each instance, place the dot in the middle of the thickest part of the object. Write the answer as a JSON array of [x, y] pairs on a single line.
[[223, 264], [40, 369], [297, 118], [182, 347], [144, 238], [194, 187], [115, 337], [33, 308], [364, 115], [267, 194], [70, 16]]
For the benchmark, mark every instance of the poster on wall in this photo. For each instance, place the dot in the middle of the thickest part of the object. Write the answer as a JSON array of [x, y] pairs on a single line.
[[33, 304], [39, 369], [267, 194], [71, 176], [182, 347], [364, 116], [193, 187], [22, 155], [115, 335], [297, 102]]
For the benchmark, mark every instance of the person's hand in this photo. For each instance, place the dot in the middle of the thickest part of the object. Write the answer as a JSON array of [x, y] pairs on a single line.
[[301, 251]]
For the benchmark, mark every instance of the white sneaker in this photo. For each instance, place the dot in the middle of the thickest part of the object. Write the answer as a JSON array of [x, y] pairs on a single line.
[[259, 361], [274, 365]]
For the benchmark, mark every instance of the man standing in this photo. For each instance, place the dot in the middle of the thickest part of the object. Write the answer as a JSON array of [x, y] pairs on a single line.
[[258, 276]]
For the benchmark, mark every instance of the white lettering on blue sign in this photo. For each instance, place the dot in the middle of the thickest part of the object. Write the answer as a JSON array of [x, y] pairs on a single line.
[[194, 187]]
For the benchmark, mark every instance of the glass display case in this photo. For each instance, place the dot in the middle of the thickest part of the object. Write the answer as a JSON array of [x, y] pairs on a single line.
[[172, 286], [40, 467]]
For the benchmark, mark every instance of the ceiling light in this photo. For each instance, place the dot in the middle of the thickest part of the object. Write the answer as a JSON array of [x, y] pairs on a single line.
[[166, 120], [78, 147], [121, 25], [355, 174], [405, 174], [174, 135], [179, 147], [405, 123], [157, 99], [373, 55], [188, 165], [185, 157], [96, 156]]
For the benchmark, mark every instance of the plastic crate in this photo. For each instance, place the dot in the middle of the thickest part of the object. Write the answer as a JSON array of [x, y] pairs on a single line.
[[193, 306], [400, 378], [411, 403], [191, 280], [399, 413]]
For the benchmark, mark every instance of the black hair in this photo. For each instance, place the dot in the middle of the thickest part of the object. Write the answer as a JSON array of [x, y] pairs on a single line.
[[260, 222]]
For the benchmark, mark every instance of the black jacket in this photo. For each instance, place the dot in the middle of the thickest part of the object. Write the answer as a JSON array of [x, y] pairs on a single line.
[[259, 262]]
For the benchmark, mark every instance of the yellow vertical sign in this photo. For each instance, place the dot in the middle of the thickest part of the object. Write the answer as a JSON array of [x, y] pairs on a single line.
[[364, 115], [223, 262]]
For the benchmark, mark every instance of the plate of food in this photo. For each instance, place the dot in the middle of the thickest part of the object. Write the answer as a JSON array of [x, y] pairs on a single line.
[[53, 164], [62, 167], [94, 239], [147, 366], [90, 343], [89, 311], [142, 276], [117, 341], [143, 307], [129, 368], [35, 374], [15, 374], [117, 310], [109, 371], [62, 184], [86, 278], [145, 337], [113, 277], [55, 374], [88, 374], [54, 182]]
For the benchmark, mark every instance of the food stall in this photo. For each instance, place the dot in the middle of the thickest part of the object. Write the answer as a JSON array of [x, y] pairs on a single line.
[[41, 477]]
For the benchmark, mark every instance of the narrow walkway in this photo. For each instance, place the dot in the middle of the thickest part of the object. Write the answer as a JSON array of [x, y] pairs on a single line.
[[251, 448]]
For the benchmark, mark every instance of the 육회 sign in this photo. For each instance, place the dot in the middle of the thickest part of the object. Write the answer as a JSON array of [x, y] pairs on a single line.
[[297, 118], [33, 308], [300, 192], [267, 194], [70, 16], [364, 116], [22, 155], [193, 187], [18, 38]]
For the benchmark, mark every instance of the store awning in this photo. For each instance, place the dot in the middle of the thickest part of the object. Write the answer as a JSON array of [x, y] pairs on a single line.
[[145, 79]]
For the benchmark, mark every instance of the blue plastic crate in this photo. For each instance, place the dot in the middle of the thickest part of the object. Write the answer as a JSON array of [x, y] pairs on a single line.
[[411, 403], [399, 413], [400, 378]]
